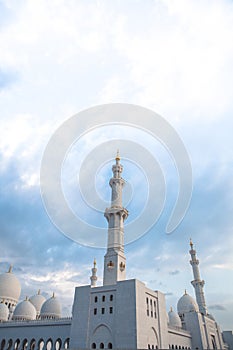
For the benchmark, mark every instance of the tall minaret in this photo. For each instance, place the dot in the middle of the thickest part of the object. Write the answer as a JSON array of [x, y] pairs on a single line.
[[197, 283], [93, 277], [114, 260]]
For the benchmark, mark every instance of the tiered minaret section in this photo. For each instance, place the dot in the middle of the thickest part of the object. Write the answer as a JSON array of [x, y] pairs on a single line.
[[93, 277], [114, 260], [197, 283]]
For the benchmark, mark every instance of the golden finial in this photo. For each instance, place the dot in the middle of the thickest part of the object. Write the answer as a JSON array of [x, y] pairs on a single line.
[[171, 309], [38, 292], [191, 243], [53, 296], [10, 269], [185, 292], [118, 155], [94, 262]]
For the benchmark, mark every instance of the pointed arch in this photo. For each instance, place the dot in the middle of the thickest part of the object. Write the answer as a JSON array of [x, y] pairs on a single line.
[[102, 334]]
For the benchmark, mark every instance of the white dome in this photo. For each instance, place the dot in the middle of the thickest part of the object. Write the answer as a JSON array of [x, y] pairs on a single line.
[[24, 311], [186, 304], [37, 300], [10, 288], [4, 312], [51, 308], [174, 319]]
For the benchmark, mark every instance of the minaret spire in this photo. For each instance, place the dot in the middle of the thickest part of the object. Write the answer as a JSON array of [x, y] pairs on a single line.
[[114, 260], [93, 277], [197, 283]]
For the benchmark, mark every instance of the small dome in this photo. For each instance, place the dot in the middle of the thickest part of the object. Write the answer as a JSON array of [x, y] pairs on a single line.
[[4, 312], [186, 304], [174, 319], [37, 300], [51, 308], [24, 311], [10, 288]]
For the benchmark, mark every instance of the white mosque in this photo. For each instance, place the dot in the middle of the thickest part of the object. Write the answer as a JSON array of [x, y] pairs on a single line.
[[121, 314]]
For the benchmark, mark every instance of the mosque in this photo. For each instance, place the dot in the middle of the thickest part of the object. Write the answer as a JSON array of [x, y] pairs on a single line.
[[120, 314]]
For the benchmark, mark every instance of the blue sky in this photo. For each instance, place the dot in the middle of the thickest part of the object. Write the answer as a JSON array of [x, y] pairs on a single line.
[[60, 57]]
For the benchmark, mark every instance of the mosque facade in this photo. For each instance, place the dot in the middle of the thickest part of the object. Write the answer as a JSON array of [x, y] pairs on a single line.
[[120, 314]]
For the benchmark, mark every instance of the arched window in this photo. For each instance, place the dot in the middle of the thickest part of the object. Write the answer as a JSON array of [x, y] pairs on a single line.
[[32, 344], [58, 344], [16, 345], [111, 297], [9, 344], [40, 344], [103, 298], [67, 343], [49, 344], [93, 345], [101, 345], [3, 343], [96, 299], [24, 344], [109, 345]]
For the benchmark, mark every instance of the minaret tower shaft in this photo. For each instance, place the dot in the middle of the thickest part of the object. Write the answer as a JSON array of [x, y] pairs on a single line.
[[114, 260], [197, 283], [93, 277]]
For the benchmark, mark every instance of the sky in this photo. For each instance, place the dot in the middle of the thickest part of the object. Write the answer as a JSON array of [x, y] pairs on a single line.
[[59, 58]]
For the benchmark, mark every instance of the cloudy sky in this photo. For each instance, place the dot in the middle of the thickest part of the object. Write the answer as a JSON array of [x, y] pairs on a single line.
[[60, 57]]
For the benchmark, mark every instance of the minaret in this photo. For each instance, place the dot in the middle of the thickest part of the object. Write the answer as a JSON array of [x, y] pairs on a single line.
[[197, 283], [114, 260], [93, 277]]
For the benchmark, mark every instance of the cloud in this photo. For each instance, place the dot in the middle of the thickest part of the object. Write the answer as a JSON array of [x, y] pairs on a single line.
[[173, 273], [7, 78], [217, 307]]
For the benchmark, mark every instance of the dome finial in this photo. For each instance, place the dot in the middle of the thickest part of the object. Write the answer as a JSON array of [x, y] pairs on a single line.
[[53, 296], [10, 269], [171, 309], [38, 292], [118, 155], [94, 262], [191, 243], [185, 292]]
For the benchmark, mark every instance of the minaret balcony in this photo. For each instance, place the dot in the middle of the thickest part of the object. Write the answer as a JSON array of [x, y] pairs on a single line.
[[116, 211]]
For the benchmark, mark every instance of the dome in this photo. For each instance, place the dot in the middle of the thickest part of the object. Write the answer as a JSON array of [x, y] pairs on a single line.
[[186, 304], [10, 288], [24, 311], [174, 319], [37, 301], [51, 308], [4, 312]]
